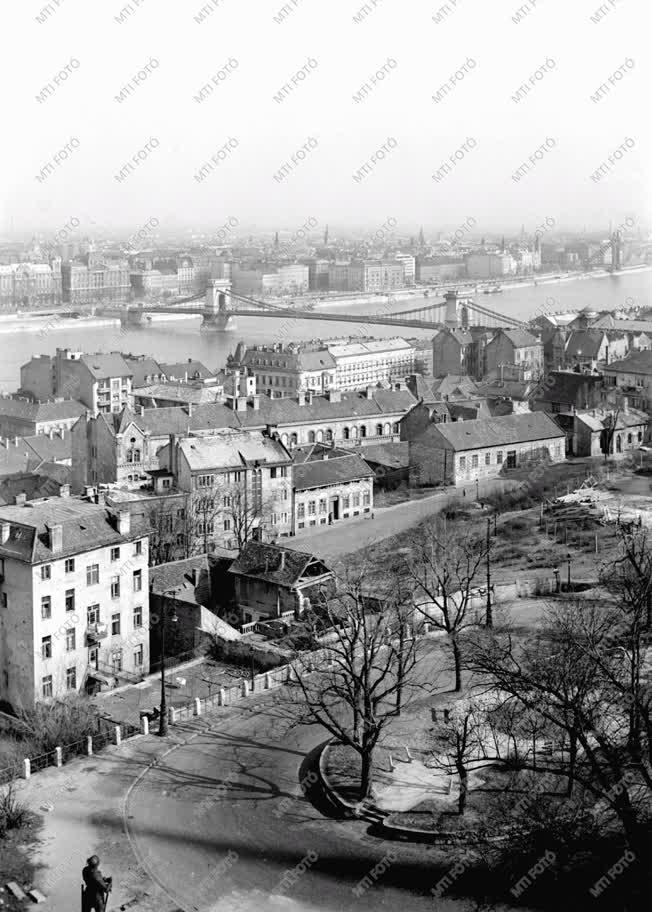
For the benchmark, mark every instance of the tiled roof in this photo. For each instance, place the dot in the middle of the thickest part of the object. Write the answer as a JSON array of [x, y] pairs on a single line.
[[193, 368], [142, 368], [50, 449], [520, 338], [316, 360], [31, 484], [455, 386], [178, 576], [636, 362], [179, 392], [512, 389], [373, 346], [584, 342], [597, 419], [17, 459], [331, 471], [41, 411], [85, 526], [565, 386], [265, 562], [103, 366], [393, 455], [227, 448], [505, 430]]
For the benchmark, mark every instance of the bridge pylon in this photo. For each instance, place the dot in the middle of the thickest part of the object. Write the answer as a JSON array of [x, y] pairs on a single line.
[[217, 301]]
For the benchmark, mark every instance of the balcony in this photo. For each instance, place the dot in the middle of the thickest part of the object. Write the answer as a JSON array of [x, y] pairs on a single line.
[[95, 633]]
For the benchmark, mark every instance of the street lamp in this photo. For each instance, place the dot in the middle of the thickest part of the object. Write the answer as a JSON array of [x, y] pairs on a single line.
[[568, 559], [163, 717], [557, 583]]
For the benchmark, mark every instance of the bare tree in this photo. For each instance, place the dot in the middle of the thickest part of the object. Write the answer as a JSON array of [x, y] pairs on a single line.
[[570, 676], [446, 567], [248, 514], [458, 742], [367, 669]]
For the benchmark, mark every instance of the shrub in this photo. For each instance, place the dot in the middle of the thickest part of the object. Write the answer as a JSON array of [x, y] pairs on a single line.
[[13, 813], [61, 722]]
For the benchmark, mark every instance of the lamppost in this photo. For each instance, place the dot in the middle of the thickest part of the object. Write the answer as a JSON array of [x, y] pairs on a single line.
[[557, 582], [163, 717], [568, 559]]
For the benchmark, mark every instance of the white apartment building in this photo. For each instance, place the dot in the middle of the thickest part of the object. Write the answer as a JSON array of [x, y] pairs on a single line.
[[74, 599], [409, 264], [362, 364]]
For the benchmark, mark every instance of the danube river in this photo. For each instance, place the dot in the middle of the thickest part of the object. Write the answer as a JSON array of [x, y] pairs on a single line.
[[179, 340]]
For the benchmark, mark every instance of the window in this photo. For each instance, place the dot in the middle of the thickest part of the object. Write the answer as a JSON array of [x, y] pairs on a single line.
[[323, 504], [115, 587], [511, 459], [227, 525], [70, 565], [92, 574], [46, 647], [487, 458], [46, 607], [116, 662], [71, 678], [301, 511], [474, 461], [205, 481], [139, 544], [138, 657], [639, 436], [115, 624], [46, 572], [499, 457], [356, 500], [311, 507], [115, 554], [629, 438], [70, 639], [70, 599], [462, 462], [138, 617], [346, 502], [311, 436], [272, 473], [379, 430], [363, 430], [138, 580], [46, 686], [93, 615], [238, 477], [227, 500], [366, 499], [329, 435]]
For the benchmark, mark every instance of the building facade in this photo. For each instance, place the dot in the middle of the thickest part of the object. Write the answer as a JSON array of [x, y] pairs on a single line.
[[514, 348], [96, 281], [74, 596], [330, 485], [30, 285], [102, 382]]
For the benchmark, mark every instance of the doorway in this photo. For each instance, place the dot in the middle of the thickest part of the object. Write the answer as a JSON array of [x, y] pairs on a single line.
[[335, 508]]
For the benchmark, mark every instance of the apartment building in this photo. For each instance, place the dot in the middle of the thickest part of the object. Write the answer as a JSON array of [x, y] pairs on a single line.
[[20, 417], [74, 608], [372, 361], [632, 376], [240, 484], [282, 370], [102, 382], [330, 485], [514, 348], [94, 280]]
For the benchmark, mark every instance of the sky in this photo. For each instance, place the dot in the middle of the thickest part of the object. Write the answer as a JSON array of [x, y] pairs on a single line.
[[444, 111]]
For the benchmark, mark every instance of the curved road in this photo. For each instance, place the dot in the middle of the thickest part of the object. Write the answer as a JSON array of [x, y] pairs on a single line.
[[220, 820]]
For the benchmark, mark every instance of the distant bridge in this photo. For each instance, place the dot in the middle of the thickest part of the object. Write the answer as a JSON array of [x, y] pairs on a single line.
[[220, 305]]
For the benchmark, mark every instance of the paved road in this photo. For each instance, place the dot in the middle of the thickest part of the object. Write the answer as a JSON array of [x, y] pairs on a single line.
[[220, 820], [352, 535]]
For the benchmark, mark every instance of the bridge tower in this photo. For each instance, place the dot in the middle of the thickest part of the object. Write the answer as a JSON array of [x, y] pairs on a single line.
[[616, 251], [217, 314], [457, 309]]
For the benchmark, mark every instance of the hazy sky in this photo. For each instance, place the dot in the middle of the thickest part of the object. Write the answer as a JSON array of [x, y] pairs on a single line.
[[247, 57]]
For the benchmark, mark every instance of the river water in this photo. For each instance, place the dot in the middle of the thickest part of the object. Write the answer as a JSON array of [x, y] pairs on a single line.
[[180, 340]]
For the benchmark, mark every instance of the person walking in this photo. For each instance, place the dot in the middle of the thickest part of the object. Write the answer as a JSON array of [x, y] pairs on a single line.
[[96, 888]]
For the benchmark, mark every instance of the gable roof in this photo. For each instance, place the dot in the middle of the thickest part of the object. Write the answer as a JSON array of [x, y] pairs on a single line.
[[265, 562], [502, 431], [232, 449], [50, 449], [585, 343], [180, 392], [333, 470], [102, 366], [142, 368], [520, 338], [41, 411], [566, 386], [190, 367], [636, 362], [392, 455]]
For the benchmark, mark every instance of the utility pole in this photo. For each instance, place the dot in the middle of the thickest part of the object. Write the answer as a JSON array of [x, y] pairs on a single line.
[[489, 621]]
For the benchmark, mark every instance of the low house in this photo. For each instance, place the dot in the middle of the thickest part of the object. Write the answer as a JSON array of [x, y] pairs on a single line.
[[516, 348], [272, 582], [633, 376], [330, 485], [466, 451], [616, 432]]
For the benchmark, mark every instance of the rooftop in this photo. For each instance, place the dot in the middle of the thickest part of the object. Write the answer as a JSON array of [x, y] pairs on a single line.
[[103, 366], [636, 362], [41, 411], [274, 564], [232, 449], [502, 431], [325, 469]]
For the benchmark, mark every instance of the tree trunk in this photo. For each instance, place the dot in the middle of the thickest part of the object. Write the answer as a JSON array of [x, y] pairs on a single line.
[[464, 786], [366, 773], [457, 659], [572, 759]]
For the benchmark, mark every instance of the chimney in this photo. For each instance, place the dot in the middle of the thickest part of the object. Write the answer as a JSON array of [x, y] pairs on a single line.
[[55, 537], [64, 490], [241, 404], [190, 409], [21, 499], [16, 441], [89, 491], [301, 397], [309, 397], [51, 433], [123, 522], [195, 576], [172, 461], [282, 564], [256, 402], [141, 410], [370, 392], [334, 395], [626, 405], [62, 433], [5, 530]]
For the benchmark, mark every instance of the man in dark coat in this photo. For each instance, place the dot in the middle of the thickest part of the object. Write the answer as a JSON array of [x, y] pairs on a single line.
[[96, 887]]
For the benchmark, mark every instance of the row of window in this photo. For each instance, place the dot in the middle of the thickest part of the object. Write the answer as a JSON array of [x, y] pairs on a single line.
[[347, 501], [511, 458], [92, 570], [71, 673], [46, 600], [93, 618]]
